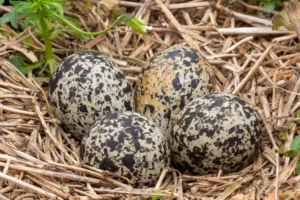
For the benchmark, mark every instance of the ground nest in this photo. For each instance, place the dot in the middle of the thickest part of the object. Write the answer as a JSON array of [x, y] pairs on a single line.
[[39, 161]]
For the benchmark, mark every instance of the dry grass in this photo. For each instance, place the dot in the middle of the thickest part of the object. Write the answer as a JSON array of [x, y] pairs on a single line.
[[248, 58]]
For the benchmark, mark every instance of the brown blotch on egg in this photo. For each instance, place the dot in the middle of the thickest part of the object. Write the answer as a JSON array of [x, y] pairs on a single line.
[[173, 78]]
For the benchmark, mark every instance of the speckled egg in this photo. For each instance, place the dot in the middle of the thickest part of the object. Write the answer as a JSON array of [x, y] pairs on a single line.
[[173, 78], [215, 131], [128, 144], [85, 87]]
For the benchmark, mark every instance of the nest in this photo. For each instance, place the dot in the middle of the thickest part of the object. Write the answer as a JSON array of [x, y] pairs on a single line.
[[39, 161]]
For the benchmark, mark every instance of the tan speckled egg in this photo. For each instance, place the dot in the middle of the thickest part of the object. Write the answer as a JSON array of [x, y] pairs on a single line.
[[216, 131], [173, 78]]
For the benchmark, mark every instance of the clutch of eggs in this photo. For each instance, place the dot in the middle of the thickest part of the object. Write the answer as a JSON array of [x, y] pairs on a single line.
[[173, 78], [213, 132], [128, 144], [85, 87]]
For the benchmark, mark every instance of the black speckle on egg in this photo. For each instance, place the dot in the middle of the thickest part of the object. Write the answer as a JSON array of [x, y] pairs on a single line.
[[129, 144], [176, 82], [173, 78], [109, 165], [213, 132], [128, 161], [83, 88]]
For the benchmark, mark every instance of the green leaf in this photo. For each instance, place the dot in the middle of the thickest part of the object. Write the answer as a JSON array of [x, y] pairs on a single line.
[[278, 4], [13, 18], [298, 114], [18, 61], [1, 2], [71, 20], [136, 24], [298, 167], [23, 7], [291, 125], [58, 7], [157, 197], [288, 153], [60, 1], [67, 9], [295, 145], [65, 188], [269, 6], [5, 18], [282, 19]]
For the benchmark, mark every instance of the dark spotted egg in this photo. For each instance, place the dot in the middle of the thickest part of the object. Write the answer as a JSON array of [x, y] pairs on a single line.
[[173, 78], [128, 144], [85, 87], [216, 131]]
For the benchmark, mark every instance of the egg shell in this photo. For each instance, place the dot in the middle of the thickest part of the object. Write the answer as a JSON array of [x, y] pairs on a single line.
[[128, 144], [216, 131], [173, 78], [85, 87]]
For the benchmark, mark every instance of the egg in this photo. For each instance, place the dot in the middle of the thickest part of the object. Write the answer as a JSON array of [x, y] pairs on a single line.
[[216, 131], [128, 144], [173, 78], [85, 87]]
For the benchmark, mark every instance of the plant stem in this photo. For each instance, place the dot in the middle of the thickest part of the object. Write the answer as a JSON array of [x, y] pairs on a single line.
[[47, 42], [116, 22]]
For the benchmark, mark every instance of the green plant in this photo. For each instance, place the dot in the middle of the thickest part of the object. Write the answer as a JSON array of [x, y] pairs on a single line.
[[270, 5], [295, 145], [157, 197], [294, 149], [47, 19], [22, 63], [289, 18]]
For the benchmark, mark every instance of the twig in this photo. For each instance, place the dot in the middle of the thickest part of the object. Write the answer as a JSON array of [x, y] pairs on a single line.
[[93, 169], [5, 171], [28, 186], [133, 79], [277, 176], [6, 108], [49, 187], [170, 6], [161, 178], [2, 197], [243, 16], [11, 95], [252, 31], [9, 85], [201, 178], [142, 193], [174, 21], [93, 173], [283, 38], [269, 130], [252, 71], [67, 176], [238, 44], [292, 97], [46, 129]]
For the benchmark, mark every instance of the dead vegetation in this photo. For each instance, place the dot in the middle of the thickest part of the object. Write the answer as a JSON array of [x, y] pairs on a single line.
[[248, 58]]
